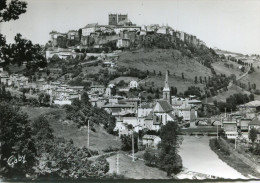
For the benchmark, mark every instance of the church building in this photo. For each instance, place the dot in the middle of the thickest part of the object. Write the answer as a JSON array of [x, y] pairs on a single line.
[[163, 109]]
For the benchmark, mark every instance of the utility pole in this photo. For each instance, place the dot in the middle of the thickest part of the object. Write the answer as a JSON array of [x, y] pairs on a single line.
[[217, 131], [225, 112], [88, 133], [206, 97], [133, 144], [235, 143], [137, 124], [117, 163]]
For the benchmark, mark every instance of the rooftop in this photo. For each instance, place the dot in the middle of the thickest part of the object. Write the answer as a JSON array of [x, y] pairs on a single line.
[[117, 106], [164, 106], [255, 103], [152, 137], [91, 25], [254, 122]]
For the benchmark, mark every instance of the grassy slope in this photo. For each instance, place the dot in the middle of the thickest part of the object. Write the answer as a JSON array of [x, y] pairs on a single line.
[[125, 79], [34, 112], [253, 77], [134, 170], [162, 60], [174, 81], [99, 140], [220, 68], [232, 90]]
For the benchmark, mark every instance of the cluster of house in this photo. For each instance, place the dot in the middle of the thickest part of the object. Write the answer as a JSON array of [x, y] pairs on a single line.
[[14, 80], [121, 30], [59, 92], [62, 53], [243, 121], [134, 115], [69, 53]]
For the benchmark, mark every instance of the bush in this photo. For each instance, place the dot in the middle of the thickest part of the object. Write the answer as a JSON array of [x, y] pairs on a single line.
[[218, 145], [256, 150]]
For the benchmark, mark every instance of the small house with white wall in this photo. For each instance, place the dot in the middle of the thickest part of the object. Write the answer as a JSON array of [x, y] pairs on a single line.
[[151, 141], [133, 84]]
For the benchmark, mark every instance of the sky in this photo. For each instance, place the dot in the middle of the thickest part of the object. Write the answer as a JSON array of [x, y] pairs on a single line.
[[232, 25]]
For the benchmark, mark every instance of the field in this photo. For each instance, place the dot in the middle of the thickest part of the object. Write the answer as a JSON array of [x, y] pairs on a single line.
[[220, 68], [160, 60], [178, 82], [125, 79], [163, 60], [134, 170], [16, 69], [34, 112], [91, 69], [99, 140], [252, 78]]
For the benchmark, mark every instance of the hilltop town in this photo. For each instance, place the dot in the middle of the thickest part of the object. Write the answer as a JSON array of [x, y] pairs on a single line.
[[121, 86]]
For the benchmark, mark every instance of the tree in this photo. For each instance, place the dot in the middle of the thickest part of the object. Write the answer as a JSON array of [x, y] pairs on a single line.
[[23, 97], [252, 135], [147, 72], [127, 142], [85, 99], [80, 33], [121, 83], [40, 98], [160, 73], [46, 99], [251, 97], [196, 79], [182, 75], [150, 158], [12, 11], [22, 50], [168, 158], [42, 133], [16, 141]]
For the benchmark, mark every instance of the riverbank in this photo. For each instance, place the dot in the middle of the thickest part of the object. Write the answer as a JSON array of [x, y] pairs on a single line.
[[227, 155]]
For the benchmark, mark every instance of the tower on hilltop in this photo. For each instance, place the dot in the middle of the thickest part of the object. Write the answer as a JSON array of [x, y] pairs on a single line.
[[166, 90], [112, 19], [122, 17]]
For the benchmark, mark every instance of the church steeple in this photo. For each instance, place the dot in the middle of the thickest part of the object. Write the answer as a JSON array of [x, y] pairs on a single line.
[[166, 90], [166, 84]]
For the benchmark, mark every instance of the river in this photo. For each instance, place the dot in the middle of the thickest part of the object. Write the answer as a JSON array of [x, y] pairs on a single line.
[[198, 157]]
